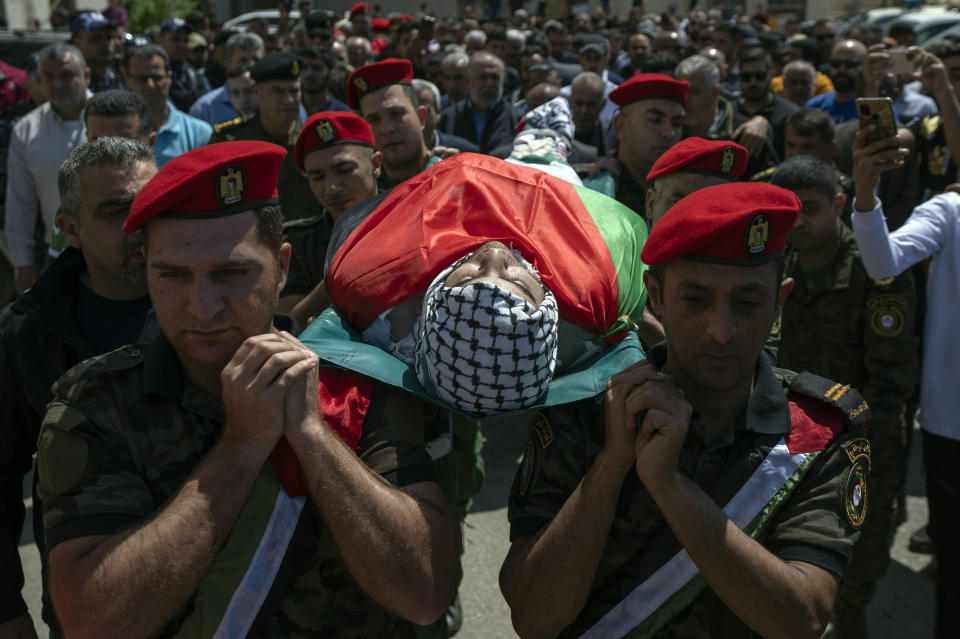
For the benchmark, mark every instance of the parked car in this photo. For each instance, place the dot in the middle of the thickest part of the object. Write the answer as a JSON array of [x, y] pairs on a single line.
[[16, 45]]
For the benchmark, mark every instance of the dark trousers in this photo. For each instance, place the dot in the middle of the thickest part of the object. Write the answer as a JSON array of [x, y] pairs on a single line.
[[941, 456]]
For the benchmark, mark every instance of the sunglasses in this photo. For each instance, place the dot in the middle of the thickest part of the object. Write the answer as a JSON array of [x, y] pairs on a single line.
[[747, 76], [846, 64]]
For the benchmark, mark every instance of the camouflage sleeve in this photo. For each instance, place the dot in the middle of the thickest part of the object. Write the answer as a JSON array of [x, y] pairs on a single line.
[[821, 520], [89, 482], [891, 349], [392, 443], [556, 457]]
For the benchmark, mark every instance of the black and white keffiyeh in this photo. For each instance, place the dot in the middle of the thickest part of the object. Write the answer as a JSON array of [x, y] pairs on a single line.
[[485, 350]]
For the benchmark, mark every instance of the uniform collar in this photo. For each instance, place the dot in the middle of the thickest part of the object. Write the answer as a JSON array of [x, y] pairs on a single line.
[[837, 273]]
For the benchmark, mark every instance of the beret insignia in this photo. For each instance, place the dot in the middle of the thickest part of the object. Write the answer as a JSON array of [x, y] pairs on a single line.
[[360, 83], [755, 241], [230, 185], [726, 159], [325, 131]]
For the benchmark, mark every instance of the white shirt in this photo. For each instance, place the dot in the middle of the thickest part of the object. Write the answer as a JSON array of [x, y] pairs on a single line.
[[39, 144], [932, 230]]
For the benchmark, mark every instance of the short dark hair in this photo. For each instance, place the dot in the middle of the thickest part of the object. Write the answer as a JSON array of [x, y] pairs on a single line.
[[145, 52], [121, 153], [806, 172], [496, 33], [118, 103], [661, 62], [756, 54], [899, 29], [329, 60], [811, 122]]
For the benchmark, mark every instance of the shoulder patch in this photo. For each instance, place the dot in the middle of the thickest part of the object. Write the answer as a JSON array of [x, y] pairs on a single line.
[[217, 128], [855, 494], [812, 399], [541, 428], [886, 314], [764, 175], [858, 449]]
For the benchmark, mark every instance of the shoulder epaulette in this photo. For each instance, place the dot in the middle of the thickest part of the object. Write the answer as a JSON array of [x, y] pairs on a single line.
[[764, 175], [122, 358], [843, 397], [229, 124]]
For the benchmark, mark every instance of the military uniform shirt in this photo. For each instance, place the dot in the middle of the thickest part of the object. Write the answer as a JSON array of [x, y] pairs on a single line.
[[296, 198], [810, 527], [308, 239], [126, 429], [631, 193]]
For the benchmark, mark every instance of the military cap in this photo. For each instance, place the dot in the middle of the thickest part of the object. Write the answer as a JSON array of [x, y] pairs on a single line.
[[329, 128], [710, 157], [373, 76], [381, 24], [650, 85], [276, 66], [171, 25], [739, 223], [216, 180], [360, 7]]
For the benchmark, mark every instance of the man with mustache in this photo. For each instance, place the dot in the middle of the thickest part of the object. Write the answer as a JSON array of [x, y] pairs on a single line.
[[92, 299], [846, 62], [706, 493], [276, 87], [841, 323]]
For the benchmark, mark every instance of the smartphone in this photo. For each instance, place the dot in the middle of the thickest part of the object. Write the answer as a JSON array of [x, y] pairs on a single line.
[[878, 111], [903, 61]]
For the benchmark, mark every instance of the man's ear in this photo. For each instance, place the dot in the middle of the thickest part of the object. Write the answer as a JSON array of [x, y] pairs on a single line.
[[283, 260], [785, 287], [153, 139], [618, 125], [422, 114], [654, 292], [377, 161], [70, 227], [650, 203], [838, 201]]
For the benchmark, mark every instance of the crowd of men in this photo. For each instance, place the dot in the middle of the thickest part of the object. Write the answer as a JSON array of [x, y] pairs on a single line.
[[172, 203]]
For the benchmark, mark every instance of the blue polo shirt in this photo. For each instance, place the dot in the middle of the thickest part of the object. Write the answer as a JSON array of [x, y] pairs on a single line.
[[214, 107], [180, 134]]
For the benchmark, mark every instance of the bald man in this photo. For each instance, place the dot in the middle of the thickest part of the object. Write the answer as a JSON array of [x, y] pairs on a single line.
[[846, 61]]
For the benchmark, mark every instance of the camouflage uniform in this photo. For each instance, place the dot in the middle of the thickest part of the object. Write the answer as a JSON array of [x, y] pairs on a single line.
[[811, 526], [840, 323], [105, 467], [296, 198], [308, 239]]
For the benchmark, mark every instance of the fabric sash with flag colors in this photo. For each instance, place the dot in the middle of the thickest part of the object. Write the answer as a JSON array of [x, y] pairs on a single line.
[[677, 582], [233, 591], [585, 245]]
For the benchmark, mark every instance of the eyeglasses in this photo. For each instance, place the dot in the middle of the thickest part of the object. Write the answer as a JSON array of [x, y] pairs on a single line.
[[846, 64], [747, 76]]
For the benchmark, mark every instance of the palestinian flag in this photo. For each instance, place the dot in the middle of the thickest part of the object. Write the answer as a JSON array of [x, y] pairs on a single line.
[[585, 245]]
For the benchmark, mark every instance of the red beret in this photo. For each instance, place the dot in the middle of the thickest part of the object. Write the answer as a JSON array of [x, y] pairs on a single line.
[[737, 223], [329, 128], [360, 7], [212, 181], [373, 76], [381, 24], [712, 157], [650, 85]]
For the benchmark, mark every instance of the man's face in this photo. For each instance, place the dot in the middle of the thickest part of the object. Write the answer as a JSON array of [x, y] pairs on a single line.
[[243, 58], [723, 41], [213, 284], [497, 48], [797, 87], [197, 57], [796, 144], [97, 46], [425, 96], [456, 80], [397, 125], [592, 61], [176, 44], [658, 122], [755, 80], [495, 263], [240, 90], [528, 61], [149, 79], [358, 52], [716, 318], [586, 102], [342, 175], [701, 103], [315, 75], [114, 258], [64, 82], [638, 49], [845, 64], [952, 63], [362, 23], [120, 126], [826, 34], [818, 226], [558, 42], [486, 83], [409, 46], [279, 100], [672, 188]]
